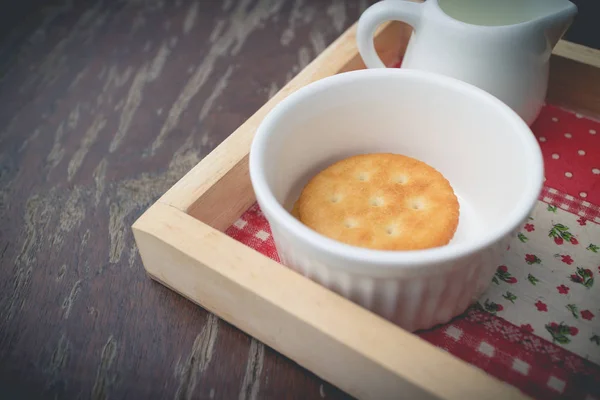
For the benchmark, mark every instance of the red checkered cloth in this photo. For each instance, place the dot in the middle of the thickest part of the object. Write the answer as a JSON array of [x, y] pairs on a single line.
[[513, 354], [572, 204]]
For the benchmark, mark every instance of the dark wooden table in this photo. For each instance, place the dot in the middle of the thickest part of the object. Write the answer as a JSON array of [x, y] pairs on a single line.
[[103, 106]]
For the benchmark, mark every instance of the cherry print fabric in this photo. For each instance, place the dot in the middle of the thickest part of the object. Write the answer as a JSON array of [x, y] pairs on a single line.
[[537, 327], [550, 282]]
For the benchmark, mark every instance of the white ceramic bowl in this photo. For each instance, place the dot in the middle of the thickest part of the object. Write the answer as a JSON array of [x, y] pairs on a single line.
[[479, 144]]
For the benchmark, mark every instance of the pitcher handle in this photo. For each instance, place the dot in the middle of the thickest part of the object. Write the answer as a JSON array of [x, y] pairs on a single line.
[[386, 10]]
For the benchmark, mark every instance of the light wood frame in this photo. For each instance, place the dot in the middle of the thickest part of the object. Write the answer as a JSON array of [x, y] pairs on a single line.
[[182, 245]]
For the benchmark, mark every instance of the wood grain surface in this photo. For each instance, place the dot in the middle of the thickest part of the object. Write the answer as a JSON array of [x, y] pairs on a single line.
[[104, 105]]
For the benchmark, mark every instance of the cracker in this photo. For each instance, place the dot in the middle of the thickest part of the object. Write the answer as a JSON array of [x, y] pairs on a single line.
[[381, 201]]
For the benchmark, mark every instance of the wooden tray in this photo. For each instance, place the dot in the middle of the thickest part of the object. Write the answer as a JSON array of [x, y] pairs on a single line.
[[182, 245]]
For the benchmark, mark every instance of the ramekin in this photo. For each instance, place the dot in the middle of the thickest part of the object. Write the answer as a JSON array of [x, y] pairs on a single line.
[[486, 151]]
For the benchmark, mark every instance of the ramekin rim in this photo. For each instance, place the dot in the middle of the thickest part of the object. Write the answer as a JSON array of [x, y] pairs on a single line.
[[381, 258]]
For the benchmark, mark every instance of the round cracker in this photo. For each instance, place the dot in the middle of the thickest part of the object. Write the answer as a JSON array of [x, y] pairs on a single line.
[[381, 201]]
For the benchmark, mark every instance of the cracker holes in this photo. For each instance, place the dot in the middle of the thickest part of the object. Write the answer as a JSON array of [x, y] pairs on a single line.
[[363, 177], [376, 201], [391, 230], [417, 204], [350, 223], [336, 198], [401, 179]]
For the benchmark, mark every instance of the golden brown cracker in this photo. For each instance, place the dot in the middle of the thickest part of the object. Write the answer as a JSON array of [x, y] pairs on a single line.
[[295, 212], [381, 201]]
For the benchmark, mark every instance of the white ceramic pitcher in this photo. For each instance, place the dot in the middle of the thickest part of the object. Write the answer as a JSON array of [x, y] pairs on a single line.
[[501, 46]]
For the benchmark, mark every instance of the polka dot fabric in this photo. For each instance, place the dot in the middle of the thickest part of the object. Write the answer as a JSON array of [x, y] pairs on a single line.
[[571, 147]]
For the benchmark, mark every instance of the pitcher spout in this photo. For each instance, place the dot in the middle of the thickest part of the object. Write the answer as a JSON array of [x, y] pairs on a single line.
[[556, 17]]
